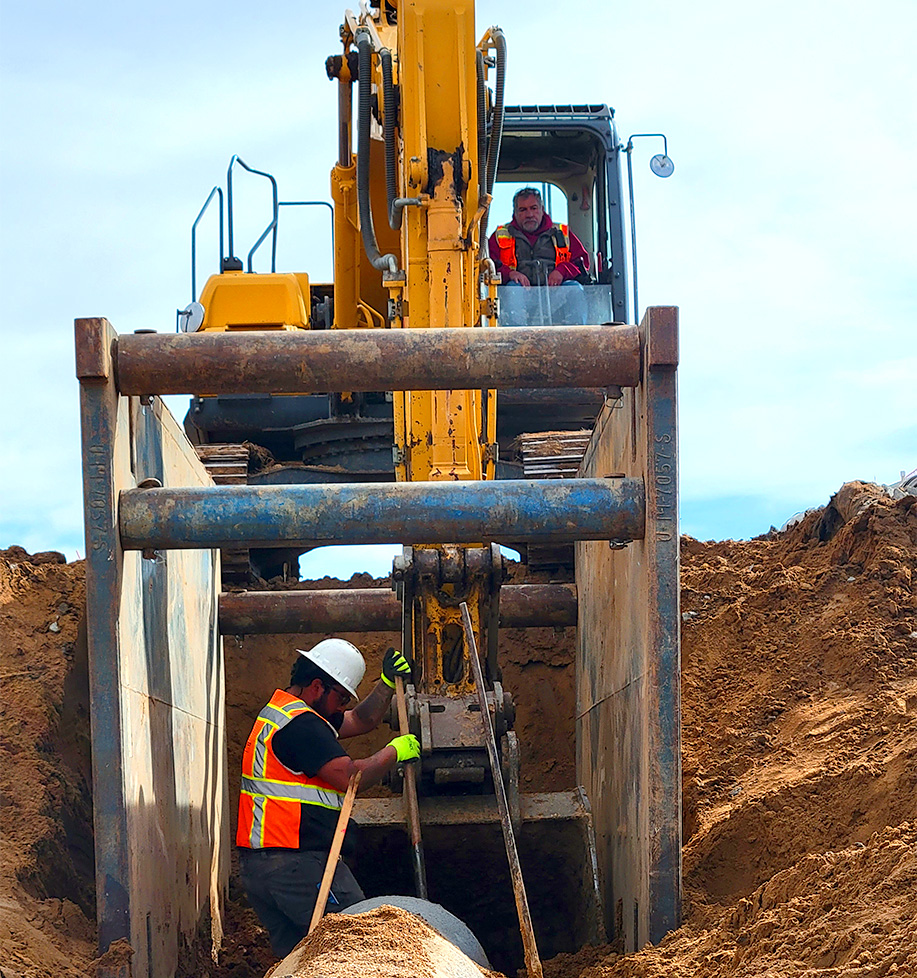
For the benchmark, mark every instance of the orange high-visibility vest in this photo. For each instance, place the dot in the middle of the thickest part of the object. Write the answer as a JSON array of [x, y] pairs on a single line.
[[272, 796], [506, 242]]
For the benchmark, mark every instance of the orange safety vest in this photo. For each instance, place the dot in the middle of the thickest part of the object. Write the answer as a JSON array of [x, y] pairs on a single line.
[[506, 242], [272, 796]]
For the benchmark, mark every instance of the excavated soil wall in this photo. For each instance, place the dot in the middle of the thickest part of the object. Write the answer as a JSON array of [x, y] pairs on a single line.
[[799, 750]]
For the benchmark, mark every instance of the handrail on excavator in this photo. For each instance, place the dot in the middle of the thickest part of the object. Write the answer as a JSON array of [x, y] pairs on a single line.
[[219, 191], [274, 211], [312, 203]]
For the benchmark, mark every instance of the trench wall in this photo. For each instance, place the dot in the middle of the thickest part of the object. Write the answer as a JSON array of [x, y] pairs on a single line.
[[628, 721], [157, 690]]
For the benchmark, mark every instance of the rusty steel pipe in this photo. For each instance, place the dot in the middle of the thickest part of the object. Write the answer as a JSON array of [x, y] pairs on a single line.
[[306, 361], [534, 511], [377, 610]]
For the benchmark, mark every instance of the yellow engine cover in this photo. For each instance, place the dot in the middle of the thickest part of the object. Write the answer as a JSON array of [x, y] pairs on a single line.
[[252, 300]]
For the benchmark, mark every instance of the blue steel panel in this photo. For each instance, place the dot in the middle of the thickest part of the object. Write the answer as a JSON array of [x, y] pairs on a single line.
[[421, 512]]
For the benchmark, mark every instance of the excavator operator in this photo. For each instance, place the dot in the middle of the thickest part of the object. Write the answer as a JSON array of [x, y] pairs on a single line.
[[533, 250], [294, 777]]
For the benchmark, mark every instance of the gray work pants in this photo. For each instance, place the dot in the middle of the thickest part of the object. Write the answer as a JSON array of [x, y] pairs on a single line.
[[282, 887]]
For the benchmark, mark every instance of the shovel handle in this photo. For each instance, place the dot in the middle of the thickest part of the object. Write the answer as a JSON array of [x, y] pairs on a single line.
[[335, 851]]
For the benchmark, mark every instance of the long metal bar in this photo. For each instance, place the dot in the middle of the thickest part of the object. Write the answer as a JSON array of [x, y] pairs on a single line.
[[532, 960], [409, 797], [312, 203], [377, 610], [536, 511], [308, 361], [272, 226], [219, 192]]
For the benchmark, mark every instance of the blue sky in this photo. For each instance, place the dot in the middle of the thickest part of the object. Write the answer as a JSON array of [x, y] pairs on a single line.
[[785, 235]]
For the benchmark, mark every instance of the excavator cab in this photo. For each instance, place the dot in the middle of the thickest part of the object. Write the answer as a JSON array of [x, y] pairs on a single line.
[[572, 151], [571, 154]]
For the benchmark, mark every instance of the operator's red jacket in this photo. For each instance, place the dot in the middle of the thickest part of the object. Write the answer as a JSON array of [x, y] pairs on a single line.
[[579, 257]]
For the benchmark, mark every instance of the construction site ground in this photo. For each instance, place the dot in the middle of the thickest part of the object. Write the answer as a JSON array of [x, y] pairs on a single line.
[[799, 694]]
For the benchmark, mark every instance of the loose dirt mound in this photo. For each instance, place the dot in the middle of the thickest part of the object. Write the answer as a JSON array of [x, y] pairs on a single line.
[[799, 658], [800, 754], [849, 913], [47, 894]]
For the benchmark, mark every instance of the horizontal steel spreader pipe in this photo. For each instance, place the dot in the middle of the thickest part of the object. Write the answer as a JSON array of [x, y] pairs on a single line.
[[377, 609], [320, 361], [545, 511]]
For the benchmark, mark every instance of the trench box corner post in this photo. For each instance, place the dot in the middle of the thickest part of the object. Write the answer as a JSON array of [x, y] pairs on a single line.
[[628, 655], [160, 791]]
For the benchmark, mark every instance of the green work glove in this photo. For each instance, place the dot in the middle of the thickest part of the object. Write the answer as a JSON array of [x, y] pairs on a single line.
[[394, 664], [407, 747]]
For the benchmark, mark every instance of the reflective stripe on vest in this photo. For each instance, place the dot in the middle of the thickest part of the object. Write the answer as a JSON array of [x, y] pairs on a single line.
[[303, 793], [506, 242], [272, 796]]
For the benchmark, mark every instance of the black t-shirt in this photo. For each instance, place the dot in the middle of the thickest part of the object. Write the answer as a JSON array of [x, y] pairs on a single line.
[[305, 745]]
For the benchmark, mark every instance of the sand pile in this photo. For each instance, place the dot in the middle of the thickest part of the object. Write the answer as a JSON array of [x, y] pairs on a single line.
[[387, 942], [800, 755]]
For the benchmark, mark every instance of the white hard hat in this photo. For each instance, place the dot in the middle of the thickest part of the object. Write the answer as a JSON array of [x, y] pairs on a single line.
[[341, 660]]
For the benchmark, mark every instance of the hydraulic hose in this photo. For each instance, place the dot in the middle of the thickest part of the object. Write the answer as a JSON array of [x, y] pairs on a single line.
[[496, 128], [388, 263], [396, 204], [388, 132], [482, 124]]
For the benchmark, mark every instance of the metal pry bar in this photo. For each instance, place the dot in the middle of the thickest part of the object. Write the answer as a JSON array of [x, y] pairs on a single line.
[[532, 960]]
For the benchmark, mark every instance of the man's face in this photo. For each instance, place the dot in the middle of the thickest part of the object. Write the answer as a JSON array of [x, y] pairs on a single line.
[[528, 213]]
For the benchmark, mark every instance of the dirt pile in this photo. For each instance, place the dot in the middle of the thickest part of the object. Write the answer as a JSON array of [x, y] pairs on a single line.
[[799, 752], [47, 889], [384, 943], [799, 697], [851, 913]]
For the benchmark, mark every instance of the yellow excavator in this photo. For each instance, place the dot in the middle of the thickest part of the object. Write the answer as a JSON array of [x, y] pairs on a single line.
[[411, 202], [453, 429]]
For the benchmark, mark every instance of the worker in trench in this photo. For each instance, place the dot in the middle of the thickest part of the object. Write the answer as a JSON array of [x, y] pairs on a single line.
[[295, 774], [534, 251]]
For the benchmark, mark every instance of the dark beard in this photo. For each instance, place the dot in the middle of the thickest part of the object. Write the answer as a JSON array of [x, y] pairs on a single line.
[[321, 708]]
